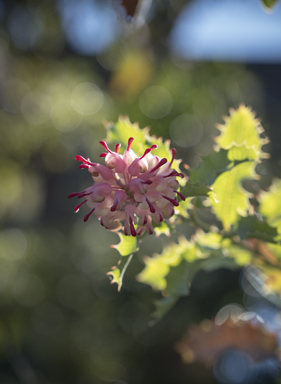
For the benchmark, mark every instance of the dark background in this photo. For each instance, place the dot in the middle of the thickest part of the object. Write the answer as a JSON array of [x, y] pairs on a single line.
[[61, 321]]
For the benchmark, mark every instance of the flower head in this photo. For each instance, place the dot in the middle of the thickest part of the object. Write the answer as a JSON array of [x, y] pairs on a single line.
[[136, 191]]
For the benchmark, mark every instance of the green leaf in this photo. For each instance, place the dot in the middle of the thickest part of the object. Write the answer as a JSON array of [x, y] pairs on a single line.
[[195, 189], [254, 227], [162, 228], [270, 206], [211, 166], [181, 210], [275, 249], [229, 199], [115, 275], [269, 4], [127, 245], [219, 262], [157, 267], [163, 149], [240, 255], [179, 278], [240, 135], [121, 131]]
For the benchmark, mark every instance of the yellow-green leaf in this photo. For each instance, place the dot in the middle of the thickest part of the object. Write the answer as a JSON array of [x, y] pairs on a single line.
[[228, 198], [121, 131], [162, 228], [157, 267], [240, 135], [115, 277], [127, 245], [270, 205]]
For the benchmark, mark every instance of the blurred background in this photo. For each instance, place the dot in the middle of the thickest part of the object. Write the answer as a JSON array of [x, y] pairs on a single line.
[[66, 66]]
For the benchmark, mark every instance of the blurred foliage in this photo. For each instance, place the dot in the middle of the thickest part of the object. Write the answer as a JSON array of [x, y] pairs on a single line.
[[61, 322], [269, 4]]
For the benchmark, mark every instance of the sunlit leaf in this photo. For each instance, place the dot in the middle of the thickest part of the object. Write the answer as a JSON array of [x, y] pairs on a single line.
[[271, 280], [163, 149], [181, 210], [276, 249], [115, 277], [127, 245], [240, 135], [157, 267], [162, 228], [270, 205], [121, 131], [230, 200], [241, 256], [211, 240]]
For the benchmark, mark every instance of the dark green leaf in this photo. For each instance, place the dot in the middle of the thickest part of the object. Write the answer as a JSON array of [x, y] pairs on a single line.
[[211, 166]]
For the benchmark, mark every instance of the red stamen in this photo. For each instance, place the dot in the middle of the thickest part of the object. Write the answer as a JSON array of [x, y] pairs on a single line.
[[113, 208], [82, 194], [103, 143], [145, 220], [174, 202], [131, 139], [103, 154], [133, 231], [175, 173], [154, 146], [76, 209], [86, 217], [174, 152], [81, 166], [151, 207], [161, 162], [148, 182], [181, 195], [117, 146], [150, 230], [73, 194], [83, 160]]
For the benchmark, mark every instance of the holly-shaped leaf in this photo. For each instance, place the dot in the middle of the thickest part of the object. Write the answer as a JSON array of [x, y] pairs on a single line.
[[127, 245], [255, 227], [162, 228], [195, 189], [121, 131], [270, 206], [211, 166], [240, 135], [157, 267], [115, 277], [229, 199]]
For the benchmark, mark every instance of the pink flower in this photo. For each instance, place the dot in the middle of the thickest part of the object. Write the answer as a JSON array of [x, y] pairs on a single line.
[[135, 190]]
